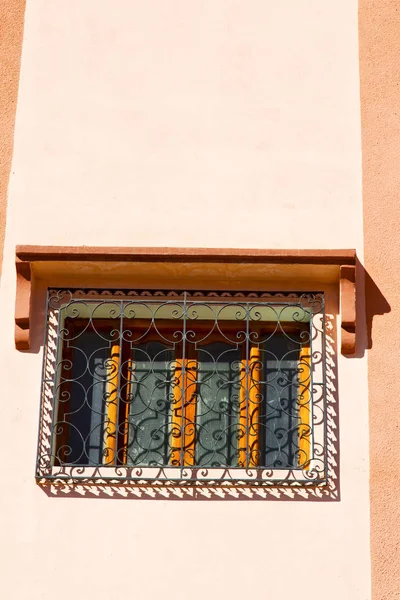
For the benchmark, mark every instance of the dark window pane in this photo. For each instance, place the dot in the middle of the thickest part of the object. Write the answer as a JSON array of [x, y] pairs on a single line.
[[79, 429], [218, 405], [149, 404], [279, 417]]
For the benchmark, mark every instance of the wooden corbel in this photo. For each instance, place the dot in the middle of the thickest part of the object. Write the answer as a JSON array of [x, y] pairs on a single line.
[[348, 308], [22, 305]]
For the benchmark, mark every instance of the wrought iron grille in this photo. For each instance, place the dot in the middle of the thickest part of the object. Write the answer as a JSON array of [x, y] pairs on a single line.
[[188, 387]]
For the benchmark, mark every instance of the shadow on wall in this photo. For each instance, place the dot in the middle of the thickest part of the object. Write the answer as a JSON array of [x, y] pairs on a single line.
[[370, 303], [375, 304]]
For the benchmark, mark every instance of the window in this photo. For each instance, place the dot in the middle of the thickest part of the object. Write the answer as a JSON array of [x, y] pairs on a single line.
[[188, 386]]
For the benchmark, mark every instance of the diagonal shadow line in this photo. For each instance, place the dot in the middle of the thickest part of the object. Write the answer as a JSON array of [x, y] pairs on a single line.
[[375, 304]]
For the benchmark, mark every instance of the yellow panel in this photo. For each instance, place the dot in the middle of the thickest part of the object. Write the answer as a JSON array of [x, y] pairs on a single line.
[[249, 410], [110, 432], [242, 441], [304, 401], [183, 429], [190, 412], [177, 414], [254, 405]]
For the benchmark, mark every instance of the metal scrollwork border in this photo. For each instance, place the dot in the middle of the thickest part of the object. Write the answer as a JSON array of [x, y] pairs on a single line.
[[124, 481]]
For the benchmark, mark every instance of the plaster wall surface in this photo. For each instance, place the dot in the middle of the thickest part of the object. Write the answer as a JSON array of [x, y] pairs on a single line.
[[11, 29], [380, 98], [225, 124], [156, 116]]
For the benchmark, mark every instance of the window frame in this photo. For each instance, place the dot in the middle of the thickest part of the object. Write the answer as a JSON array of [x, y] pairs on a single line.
[[188, 474]]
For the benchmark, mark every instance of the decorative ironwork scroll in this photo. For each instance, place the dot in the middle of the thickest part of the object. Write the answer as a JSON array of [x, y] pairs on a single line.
[[184, 388]]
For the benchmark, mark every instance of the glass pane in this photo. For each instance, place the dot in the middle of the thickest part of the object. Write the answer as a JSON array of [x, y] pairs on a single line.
[[149, 404], [279, 417], [218, 399], [79, 429]]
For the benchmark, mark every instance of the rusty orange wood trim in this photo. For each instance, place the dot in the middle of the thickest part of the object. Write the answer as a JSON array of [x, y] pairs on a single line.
[[26, 256], [348, 308], [23, 305], [154, 254]]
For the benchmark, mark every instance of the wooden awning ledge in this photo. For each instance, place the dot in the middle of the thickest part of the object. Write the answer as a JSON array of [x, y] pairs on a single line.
[[89, 266]]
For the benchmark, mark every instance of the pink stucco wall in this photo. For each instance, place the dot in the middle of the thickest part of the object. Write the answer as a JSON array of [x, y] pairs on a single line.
[[225, 124], [187, 112], [380, 98], [11, 26]]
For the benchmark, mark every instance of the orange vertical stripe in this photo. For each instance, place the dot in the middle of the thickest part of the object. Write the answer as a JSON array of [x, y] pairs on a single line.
[[177, 414], [242, 441], [249, 409], [110, 432], [304, 402], [183, 426], [254, 405], [190, 412]]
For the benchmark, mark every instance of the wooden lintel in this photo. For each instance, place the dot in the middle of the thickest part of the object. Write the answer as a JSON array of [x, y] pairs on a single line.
[[26, 256], [212, 255]]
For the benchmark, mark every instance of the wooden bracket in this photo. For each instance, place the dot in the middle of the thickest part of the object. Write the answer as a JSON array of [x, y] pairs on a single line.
[[348, 308], [23, 305], [86, 261]]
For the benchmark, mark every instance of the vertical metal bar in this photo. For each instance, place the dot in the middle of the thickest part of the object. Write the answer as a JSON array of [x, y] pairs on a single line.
[[41, 404], [118, 399], [183, 376], [57, 377], [247, 378], [312, 329], [325, 416]]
